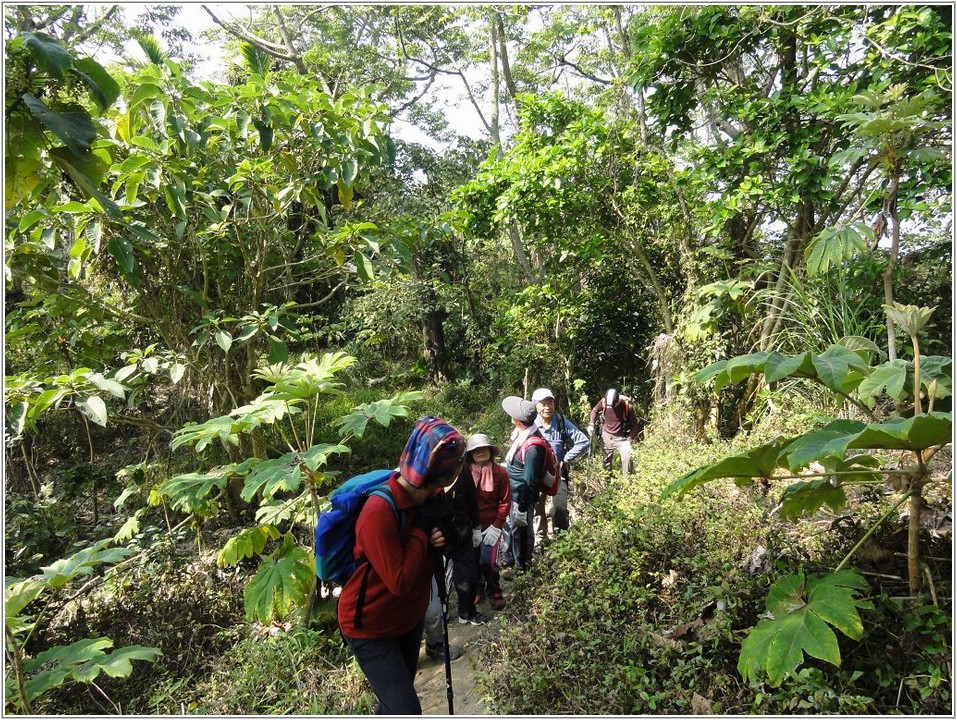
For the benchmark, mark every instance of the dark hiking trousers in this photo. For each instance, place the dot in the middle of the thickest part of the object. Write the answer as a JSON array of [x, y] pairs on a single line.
[[389, 665]]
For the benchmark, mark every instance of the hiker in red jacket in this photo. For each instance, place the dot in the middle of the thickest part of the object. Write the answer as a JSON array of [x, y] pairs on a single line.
[[494, 502], [619, 427], [382, 606]]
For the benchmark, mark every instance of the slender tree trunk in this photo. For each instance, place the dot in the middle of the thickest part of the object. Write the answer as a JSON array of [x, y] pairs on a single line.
[[913, 540], [431, 322], [16, 654], [652, 282], [892, 264], [494, 87], [497, 56]]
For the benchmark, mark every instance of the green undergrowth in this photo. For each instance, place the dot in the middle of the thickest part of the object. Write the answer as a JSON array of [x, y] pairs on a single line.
[[294, 672], [641, 607]]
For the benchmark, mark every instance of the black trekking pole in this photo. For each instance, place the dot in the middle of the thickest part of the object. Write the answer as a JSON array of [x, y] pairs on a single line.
[[444, 598]]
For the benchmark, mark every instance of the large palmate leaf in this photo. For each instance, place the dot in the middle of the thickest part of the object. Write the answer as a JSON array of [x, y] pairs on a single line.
[[803, 611], [318, 455], [937, 369], [82, 661], [382, 411], [827, 446], [267, 409], [17, 594], [832, 246], [781, 366], [915, 433], [818, 444], [222, 428], [839, 367], [272, 476], [311, 378], [834, 365], [759, 462], [281, 584], [250, 542], [890, 377], [190, 492], [807, 497], [82, 563]]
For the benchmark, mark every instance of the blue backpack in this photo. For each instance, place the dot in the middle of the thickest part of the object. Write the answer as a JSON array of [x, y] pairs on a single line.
[[336, 528]]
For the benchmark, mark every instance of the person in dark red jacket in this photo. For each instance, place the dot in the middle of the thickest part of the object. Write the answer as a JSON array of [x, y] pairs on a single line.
[[494, 496], [619, 427], [382, 606]]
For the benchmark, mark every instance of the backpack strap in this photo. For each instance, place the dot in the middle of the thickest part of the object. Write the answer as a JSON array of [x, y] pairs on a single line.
[[386, 495], [566, 441]]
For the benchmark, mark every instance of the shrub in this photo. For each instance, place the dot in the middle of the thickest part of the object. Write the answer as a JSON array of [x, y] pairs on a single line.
[[300, 672], [641, 607]]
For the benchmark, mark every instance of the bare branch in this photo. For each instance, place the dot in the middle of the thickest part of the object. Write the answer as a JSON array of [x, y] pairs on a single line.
[[272, 49], [321, 301], [287, 39]]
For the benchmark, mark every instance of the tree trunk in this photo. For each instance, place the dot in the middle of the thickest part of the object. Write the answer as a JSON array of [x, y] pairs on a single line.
[[496, 56], [913, 540], [433, 340], [892, 263], [652, 283], [431, 321]]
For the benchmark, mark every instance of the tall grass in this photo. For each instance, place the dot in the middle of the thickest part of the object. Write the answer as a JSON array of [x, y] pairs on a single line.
[[820, 310]]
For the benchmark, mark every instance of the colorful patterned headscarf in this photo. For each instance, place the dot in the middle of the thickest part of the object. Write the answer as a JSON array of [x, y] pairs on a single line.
[[435, 449]]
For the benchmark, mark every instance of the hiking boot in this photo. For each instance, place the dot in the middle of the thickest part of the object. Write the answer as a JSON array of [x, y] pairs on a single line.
[[437, 652], [475, 618], [496, 603]]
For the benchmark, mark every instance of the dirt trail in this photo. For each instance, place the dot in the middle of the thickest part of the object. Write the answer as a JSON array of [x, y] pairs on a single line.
[[430, 680]]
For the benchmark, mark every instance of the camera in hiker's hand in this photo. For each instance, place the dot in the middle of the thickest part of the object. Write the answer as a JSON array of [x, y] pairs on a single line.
[[436, 513]]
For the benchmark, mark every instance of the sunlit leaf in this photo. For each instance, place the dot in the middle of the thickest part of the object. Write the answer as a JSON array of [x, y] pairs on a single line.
[[761, 461], [94, 408], [82, 563], [249, 543], [803, 612], [281, 583], [271, 476]]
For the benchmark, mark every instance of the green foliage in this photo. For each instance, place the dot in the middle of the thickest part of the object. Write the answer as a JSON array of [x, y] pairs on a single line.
[[608, 600], [281, 584], [838, 368], [81, 662], [249, 543], [41, 58], [285, 490], [801, 610], [775, 647], [82, 563], [294, 671], [832, 246]]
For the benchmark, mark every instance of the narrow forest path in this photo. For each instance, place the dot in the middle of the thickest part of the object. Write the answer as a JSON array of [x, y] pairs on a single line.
[[430, 680]]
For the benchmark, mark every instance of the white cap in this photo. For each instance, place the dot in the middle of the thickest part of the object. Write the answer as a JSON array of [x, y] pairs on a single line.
[[541, 394]]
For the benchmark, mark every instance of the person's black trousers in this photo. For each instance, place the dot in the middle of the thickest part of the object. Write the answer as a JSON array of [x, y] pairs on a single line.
[[390, 665]]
